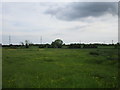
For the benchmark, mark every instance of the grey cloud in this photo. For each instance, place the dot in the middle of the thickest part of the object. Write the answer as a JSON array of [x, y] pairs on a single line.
[[78, 10]]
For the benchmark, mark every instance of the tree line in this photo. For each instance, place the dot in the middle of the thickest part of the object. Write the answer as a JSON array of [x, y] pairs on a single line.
[[58, 43]]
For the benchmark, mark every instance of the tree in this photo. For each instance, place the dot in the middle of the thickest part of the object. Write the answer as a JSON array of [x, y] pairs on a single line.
[[57, 43], [22, 43], [117, 45], [27, 43]]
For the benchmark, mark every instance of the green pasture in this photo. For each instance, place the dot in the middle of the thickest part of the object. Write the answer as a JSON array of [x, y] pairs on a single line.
[[59, 68]]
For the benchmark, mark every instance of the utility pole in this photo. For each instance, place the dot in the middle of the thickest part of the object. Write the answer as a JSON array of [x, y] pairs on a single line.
[[104, 42], [9, 39], [112, 41], [41, 39], [80, 41]]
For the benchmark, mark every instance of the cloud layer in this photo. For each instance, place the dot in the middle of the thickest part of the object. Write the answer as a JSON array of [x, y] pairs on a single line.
[[78, 10]]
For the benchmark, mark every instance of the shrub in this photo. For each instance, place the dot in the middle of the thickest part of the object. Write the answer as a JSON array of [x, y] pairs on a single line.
[[94, 53], [74, 46]]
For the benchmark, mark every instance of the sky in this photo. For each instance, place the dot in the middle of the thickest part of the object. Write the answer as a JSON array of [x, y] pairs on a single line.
[[73, 22]]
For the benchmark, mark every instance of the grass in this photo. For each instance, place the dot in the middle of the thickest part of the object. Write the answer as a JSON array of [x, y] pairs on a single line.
[[59, 68], [0, 68]]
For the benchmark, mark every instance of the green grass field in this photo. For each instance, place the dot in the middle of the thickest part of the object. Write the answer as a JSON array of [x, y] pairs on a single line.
[[59, 68], [0, 68]]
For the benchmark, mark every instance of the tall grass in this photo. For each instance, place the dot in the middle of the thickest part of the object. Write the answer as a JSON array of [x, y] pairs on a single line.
[[59, 68]]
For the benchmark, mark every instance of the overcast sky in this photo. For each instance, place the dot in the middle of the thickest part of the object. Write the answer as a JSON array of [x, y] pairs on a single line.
[[72, 22]]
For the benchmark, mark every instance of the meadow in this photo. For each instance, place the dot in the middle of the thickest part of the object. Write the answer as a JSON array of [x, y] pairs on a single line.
[[60, 68]]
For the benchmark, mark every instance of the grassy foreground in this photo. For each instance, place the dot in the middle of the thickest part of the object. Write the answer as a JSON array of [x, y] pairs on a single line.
[[59, 68]]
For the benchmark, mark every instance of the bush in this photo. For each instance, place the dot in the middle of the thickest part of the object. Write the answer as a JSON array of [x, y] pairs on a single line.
[[74, 46], [89, 46], [94, 53]]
